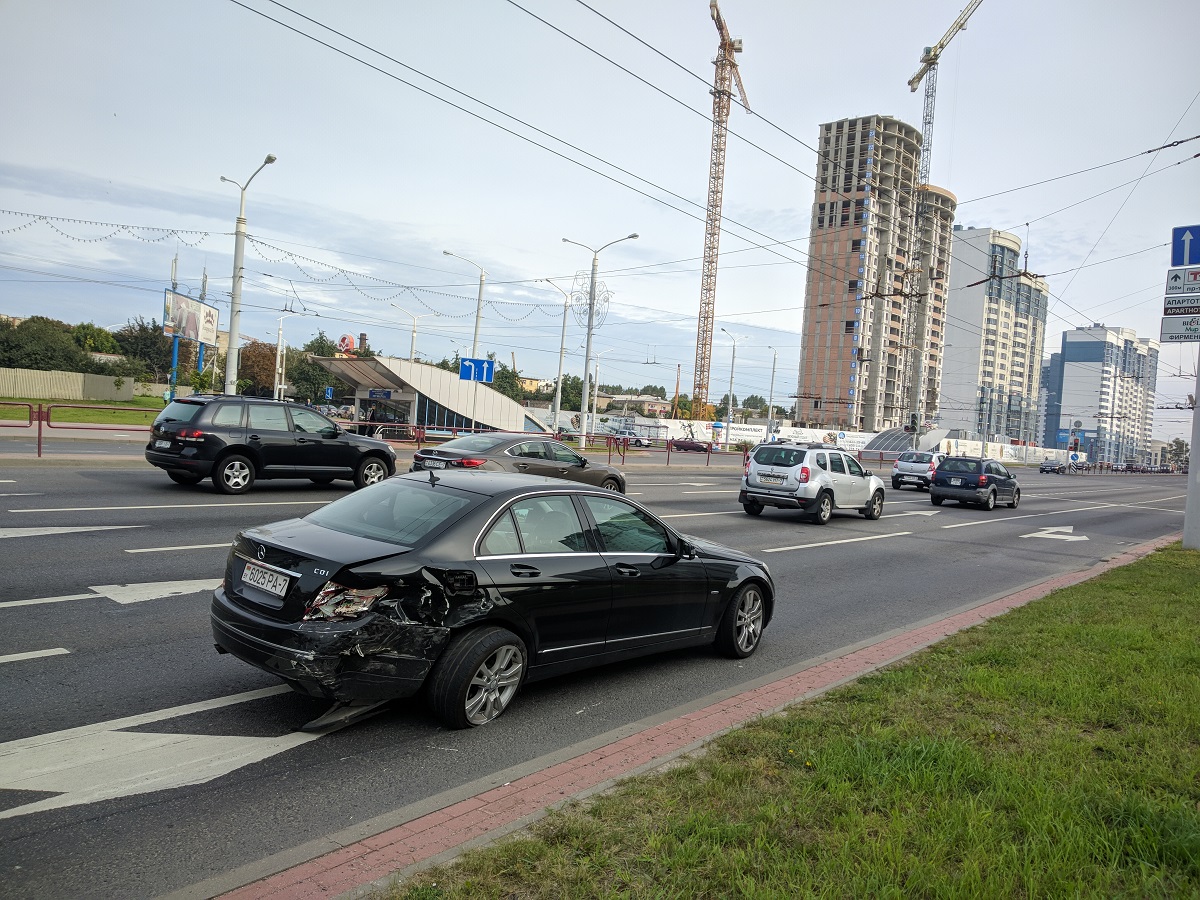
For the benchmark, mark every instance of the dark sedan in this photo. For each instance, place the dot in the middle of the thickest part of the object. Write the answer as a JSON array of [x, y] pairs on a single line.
[[690, 444], [1053, 466], [968, 479], [469, 584], [525, 454]]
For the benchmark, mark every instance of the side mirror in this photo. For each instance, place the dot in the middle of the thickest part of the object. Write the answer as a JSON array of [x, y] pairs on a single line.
[[583, 462], [685, 550]]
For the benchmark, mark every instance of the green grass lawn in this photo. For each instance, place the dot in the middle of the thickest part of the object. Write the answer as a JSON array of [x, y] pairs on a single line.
[[1052, 752], [109, 413]]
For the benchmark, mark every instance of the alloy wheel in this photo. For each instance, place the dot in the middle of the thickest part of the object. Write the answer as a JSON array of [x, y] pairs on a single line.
[[493, 684], [749, 623]]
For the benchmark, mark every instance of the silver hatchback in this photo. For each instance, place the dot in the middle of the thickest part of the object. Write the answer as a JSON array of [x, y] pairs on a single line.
[[815, 478]]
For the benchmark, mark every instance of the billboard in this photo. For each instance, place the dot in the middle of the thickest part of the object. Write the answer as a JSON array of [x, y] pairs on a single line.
[[189, 319]]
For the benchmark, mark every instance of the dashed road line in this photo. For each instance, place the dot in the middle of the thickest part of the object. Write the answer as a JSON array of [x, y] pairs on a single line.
[[33, 654], [873, 537], [174, 506]]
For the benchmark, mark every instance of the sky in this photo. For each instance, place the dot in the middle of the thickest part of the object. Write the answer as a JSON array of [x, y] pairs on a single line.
[[493, 129]]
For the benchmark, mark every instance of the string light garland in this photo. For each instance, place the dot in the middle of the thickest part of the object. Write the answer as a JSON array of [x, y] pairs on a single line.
[[117, 229]]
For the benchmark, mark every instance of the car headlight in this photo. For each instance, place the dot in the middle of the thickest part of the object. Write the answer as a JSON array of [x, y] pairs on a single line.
[[336, 601]]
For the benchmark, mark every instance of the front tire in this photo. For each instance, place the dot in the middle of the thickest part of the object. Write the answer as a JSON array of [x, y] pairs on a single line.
[[1016, 499], [185, 478], [742, 625], [233, 475], [824, 510], [874, 509], [371, 470], [477, 677]]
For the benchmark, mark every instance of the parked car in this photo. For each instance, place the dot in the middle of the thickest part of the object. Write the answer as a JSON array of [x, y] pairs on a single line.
[[690, 444], [635, 439], [470, 584], [1053, 466], [527, 454], [915, 467], [237, 440], [815, 478], [968, 479]]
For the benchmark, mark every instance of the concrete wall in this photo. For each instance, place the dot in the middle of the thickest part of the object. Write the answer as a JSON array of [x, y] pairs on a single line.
[[39, 385]]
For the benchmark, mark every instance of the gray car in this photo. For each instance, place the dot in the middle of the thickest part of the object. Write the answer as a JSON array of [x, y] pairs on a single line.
[[968, 479], [526, 454], [915, 468], [815, 478]]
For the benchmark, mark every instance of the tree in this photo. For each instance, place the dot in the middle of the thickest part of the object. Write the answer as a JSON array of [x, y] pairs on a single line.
[[572, 391], [43, 344], [654, 390], [256, 365], [1178, 452], [143, 340], [309, 379], [754, 402], [93, 339], [723, 407]]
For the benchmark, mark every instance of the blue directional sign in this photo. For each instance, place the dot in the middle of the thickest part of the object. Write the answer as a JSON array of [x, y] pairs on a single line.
[[1185, 246], [476, 370], [328, 393]]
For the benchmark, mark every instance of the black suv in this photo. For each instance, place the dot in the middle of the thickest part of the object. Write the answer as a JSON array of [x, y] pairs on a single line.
[[238, 439]]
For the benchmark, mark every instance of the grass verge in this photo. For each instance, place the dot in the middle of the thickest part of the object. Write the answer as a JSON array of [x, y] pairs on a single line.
[[106, 414], [1052, 752]]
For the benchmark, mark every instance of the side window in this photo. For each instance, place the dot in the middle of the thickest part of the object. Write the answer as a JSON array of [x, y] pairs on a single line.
[[835, 463], [308, 421], [228, 415], [820, 460], [528, 450], [549, 525], [853, 467], [268, 417], [625, 528], [563, 454], [501, 538]]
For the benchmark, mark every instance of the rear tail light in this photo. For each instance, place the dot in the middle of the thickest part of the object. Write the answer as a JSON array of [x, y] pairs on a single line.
[[336, 601], [982, 480], [746, 468], [804, 473], [932, 469], [190, 434], [469, 463]]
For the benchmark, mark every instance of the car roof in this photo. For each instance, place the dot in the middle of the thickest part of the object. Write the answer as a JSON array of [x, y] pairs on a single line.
[[496, 484]]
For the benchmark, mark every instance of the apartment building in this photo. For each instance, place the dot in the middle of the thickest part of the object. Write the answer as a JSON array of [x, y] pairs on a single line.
[[874, 318], [1100, 391], [995, 338]]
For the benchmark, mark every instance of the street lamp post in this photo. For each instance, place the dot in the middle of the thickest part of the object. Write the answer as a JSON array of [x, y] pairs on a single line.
[[587, 353], [279, 364], [562, 350], [729, 405], [596, 387], [478, 302], [412, 344], [771, 394], [235, 302]]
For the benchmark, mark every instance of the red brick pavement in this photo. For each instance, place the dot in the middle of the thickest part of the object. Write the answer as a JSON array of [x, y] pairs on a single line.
[[377, 857]]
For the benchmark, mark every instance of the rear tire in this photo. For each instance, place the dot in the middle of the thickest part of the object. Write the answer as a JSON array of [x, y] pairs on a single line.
[[371, 470], [936, 501], [742, 625], [990, 502], [874, 509], [611, 484], [233, 475], [185, 478], [824, 510], [477, 677], [1016, 499], [754, 508], [895, 484], [322, 480]]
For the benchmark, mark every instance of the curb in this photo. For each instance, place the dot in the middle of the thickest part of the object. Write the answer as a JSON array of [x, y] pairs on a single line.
[[359, 864]]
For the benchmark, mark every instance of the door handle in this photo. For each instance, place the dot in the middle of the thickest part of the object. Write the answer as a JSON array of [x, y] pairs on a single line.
[[627, 570], [255, 437], [301, 440], [521, 466], [523, 571]]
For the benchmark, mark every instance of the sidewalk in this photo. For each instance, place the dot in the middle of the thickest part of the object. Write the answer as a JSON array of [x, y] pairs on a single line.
[[367, 857]]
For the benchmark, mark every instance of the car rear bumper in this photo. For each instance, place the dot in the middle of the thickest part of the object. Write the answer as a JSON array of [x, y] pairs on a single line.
[[780, 501], [962, 495], [343, 664], [176, 462]]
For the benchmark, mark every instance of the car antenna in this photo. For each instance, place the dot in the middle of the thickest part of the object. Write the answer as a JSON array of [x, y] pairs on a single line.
[[433, 479]]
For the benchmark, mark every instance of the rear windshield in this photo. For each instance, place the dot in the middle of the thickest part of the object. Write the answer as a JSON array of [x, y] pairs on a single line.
[[179, 411], [397, 511], [474, 443], [916, 457], [773, 455], [965, 466]]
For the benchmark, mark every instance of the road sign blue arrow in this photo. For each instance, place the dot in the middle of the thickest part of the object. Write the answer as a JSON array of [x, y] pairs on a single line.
[[1185, 245], [476, 370]]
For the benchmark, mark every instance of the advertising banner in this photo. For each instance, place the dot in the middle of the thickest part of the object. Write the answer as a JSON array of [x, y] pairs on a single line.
[[189, 319]]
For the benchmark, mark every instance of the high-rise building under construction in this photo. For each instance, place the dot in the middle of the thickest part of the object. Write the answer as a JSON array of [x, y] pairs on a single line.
[[874, 322]]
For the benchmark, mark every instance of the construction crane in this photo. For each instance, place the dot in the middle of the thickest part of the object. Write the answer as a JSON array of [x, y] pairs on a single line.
[[723, 80], [912, 375]]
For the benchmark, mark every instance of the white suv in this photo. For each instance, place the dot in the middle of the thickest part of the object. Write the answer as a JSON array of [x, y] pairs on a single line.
[[816, 478], [635, 439]]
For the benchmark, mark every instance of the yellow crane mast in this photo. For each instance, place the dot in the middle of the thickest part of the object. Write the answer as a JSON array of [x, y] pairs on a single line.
[[725, 76]]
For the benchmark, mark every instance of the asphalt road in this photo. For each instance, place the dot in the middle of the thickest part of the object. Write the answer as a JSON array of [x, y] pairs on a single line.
[[134, 760]]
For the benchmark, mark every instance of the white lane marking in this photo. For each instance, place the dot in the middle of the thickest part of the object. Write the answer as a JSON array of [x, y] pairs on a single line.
[[176, 506], [44, 532], [181, 547], [101, 762], [674, 484], [128, 593], [633, 493], [32, 494], [1057, 512], [912, 512], [874, 537], [732, 491], [1058, 533], [732, 512], [33, 654], [8, 481]]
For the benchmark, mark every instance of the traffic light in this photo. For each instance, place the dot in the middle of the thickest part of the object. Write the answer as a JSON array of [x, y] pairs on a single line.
[[1075, 445]]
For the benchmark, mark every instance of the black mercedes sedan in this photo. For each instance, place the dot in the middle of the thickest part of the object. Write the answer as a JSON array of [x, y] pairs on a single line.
[[469, 584]]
